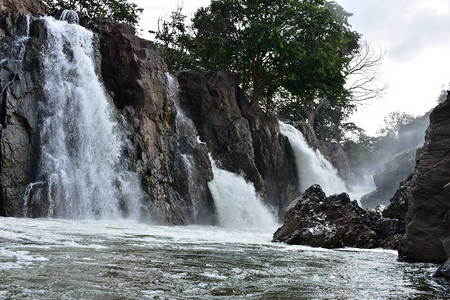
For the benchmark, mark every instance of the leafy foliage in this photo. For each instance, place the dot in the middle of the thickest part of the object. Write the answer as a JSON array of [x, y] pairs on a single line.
[[173, 42], [300, 45], [294, 57], [119, 10]]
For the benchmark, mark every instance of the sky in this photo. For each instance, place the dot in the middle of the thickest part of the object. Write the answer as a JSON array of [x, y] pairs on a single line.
[[414, 34]]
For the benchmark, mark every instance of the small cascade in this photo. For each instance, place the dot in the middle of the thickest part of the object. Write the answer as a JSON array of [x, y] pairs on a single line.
[[70, 16], [237, 203], [312, 167], [21, 43], [79, 172]]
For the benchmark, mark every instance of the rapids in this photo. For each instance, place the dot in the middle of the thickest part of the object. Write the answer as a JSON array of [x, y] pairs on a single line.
[[65, 259]]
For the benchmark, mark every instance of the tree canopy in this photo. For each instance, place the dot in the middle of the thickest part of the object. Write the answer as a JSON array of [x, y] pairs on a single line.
[[119, 10], [300, 45]]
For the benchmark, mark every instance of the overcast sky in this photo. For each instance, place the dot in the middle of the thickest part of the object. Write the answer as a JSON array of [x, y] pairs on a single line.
[[414, 34]]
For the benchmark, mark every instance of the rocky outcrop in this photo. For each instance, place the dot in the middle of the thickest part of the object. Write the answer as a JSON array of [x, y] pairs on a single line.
[[23, 6], [140, 94], [398, 207], [428, 221], [247, 143], [331, 222]]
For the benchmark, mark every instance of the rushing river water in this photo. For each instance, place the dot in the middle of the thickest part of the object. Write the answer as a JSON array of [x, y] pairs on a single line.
[[61, 259]]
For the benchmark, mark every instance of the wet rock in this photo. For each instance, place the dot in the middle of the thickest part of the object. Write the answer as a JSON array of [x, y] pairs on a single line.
[[21, 88], [331, 222], [428, 220], [398, 207], [242, 141]]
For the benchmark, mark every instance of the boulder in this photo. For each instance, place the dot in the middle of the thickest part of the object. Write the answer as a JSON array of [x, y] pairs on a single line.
[[428, 221], [331, 222]]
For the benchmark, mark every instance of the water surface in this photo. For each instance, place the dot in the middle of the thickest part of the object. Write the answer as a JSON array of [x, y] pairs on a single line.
[[61, 259]]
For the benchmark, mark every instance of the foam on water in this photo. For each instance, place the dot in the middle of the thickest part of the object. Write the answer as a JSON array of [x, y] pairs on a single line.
[[237, 203]]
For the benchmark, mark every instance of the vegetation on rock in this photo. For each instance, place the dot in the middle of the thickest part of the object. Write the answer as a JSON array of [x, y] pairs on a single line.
[[118, 10], [293, 57]]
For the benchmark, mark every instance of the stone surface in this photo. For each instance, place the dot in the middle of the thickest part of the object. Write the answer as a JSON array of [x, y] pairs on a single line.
[[242, 142], [331, 222], [428, 220], [20, 91], [23, 6]]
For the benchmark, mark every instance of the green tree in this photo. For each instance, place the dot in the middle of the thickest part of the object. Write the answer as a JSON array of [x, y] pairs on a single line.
[[119, 10], [173, 41], [299, 45]]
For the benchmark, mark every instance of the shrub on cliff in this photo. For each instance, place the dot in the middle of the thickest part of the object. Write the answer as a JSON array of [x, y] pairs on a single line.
[[119, 10]]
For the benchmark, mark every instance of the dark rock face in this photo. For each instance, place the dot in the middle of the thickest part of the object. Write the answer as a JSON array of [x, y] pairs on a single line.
[[398, 208], [20, 92], [242, 142], [428, 222], [331, 222]]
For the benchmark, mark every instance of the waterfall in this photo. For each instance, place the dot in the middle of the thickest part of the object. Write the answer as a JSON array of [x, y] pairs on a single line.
[[79, 174], [312, 167], [237, 203]]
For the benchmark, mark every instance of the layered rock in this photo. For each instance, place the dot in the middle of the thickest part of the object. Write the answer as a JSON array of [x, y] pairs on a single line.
[[21, 89], [241, 141], [331, 222], [428, 221]]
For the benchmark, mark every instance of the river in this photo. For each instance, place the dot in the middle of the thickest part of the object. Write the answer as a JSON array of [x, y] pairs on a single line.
[[64, 259]]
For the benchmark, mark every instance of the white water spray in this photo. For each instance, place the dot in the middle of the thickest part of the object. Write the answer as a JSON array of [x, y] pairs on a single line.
[[80, 145], [312, 167], [237, 203]]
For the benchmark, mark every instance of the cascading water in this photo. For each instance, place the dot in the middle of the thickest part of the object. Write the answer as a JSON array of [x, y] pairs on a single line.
[[237, 203], [78, 173], [313, 168]]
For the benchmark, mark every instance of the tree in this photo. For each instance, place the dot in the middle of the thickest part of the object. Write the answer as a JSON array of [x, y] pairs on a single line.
[[392, 123], [173, 41], [299, 45], [118, 10]]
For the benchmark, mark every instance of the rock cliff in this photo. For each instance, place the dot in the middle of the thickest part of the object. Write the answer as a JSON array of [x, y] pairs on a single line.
[[242, 143], [165, 154], [428, 221]]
